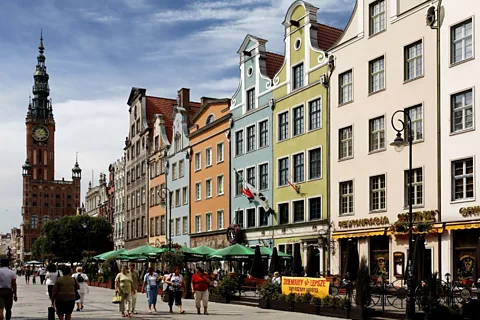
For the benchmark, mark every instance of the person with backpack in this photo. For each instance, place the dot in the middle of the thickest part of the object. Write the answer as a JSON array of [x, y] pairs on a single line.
[[82, 279]]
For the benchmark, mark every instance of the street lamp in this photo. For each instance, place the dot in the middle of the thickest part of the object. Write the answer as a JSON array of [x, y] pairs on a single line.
[[399, 144]]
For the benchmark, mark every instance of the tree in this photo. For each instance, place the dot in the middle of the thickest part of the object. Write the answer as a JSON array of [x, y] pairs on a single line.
[[67, 238]]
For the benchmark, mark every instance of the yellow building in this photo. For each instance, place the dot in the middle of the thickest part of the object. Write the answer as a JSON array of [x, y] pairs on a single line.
[[300, 119]]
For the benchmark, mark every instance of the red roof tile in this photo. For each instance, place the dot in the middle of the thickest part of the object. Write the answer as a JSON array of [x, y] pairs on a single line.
[[274, 63], [327, 36]]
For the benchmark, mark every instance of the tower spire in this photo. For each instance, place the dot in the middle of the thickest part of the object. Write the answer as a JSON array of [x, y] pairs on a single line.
[[41, 105], [41, 48]]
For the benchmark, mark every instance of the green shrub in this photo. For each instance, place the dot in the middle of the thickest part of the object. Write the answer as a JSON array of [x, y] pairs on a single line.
[[269, 290], [291, 297], [228, 286], [316, 301], [282, 297], [327, 302]]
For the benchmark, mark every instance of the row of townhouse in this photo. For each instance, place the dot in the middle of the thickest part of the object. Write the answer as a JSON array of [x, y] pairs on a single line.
[[310, 130]]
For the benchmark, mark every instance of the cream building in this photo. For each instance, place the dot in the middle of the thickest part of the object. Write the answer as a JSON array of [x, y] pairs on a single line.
[[119, 212], [96, 197], [459, 137], [385, 61]]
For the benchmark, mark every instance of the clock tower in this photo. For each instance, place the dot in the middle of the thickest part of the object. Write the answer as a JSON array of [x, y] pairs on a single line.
[[44, 198]]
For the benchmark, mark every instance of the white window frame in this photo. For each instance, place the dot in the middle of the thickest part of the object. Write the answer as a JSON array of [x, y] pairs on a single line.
[[208, 190], [293, 210], [185, 195], [221, 191], [185, 225], [345, 86], [181, 169], [278, 168], [242, 211], [379, 190], [415, 120], [463, 110], [463, 40], [220, 222], [378, 135], [178, 226], [416, 184], [380, 72], [464, 176], [267, 121], [174, 171], [381, 15], [254, 217], [305, 160], [207, 162], [198, 223], [239, 173], [302, 107], [220, 155], [235, 143], [290, 219], [413, 60], [207, 226], [300, 63], [249, 107], [308, 163], [260, 177], [178, 200], [350, 210], [348, 141], [279, 124], [198, 192], [254, 142], [246, 177], [307, 207], [198, 161]]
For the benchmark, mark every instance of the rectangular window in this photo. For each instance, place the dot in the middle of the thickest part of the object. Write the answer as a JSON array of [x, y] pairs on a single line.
[[138, 125], [152, 226], [219, 219], [251, 176], [34, 222], [181, 170], [157, 168], [315, 208], [220, 181], [250, 138], [133, 130], [315, 164], [377, 17], [208, 188], [157, 226], [238, 182], [345, 141], [462, 41], [239, 142], [298, 76], [239, 218], [298, 211], [208, 220], [263, 175], [462, 111], [417, 187], [220, 148], [185, 195], [299, 167], [462, 179], [377, 193], [346, 197], [251, 99], [282, 171], [414, 60], [251, 218], [298, 121], [152, 197], [198, 161], [377, 74], [346, 87], [128, 230], [263, 217], [416, 115], [174, 171], [137, 228], [138, 147], [162, 225], [208, 157], [283, 126], [156, 145], [263, 133], [198, 191], [185, 225], [284, 215], [198, 224], [170, 198], [152, 170], [178, 200], [377, 134]]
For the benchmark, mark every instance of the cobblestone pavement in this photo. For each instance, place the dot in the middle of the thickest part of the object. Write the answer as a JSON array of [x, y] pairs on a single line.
[[33, 303]]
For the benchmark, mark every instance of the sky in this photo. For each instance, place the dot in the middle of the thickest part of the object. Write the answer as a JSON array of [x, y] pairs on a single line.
[[97, 50]]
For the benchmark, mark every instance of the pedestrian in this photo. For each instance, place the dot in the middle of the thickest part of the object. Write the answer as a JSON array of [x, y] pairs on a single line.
[[63, 294], [8, 289], [34, 275], [200, 283], [150, 282], [176, 286], [82, 279], [124, 287], [27, 275], [41, 273], [51, 277], [276, 278], [135, 283]]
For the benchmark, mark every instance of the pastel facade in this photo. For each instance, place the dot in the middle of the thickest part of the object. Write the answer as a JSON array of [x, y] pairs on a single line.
[[209, 181], [459, 137], [385, 61], [251, 139], [119, 203], [300, 133]]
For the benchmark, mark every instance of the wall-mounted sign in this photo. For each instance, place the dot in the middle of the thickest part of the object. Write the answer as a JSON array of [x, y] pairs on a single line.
[[421, 216], [366, 222], [470, 211], [234, 234]]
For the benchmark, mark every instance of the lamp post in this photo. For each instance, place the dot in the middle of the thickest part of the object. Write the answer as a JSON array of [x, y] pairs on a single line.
[[399, 144]]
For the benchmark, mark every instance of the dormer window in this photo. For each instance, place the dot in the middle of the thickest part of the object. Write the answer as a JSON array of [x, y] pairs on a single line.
[[178, 142], [251, 99], [210, 119]]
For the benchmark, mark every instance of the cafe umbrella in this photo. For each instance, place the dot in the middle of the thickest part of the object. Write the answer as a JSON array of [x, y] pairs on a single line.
[[146, 251], [204, 250], [257, 266], [109, 255], [353, 260], [297, 261], [419, 271], [275, 262], [266, 251], [235, 252]]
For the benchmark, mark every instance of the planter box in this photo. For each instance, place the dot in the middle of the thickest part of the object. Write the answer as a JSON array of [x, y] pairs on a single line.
[[218, 298], [333, 312], [264, 303], [281, 305], [305, 308], [360, 314]]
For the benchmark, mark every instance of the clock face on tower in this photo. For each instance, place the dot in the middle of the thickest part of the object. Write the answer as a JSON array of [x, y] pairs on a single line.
[[40, 133]]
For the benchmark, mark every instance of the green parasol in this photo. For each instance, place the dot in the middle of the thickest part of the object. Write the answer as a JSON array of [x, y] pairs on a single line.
[[109, 255], [237, 251], [204, 250], [145, 250], [266, 251]]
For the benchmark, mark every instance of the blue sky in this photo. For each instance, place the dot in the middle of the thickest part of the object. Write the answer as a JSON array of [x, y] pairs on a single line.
[[98, 49]]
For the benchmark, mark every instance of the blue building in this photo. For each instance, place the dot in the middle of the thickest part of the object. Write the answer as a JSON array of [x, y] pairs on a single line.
[[251, 140], [178, 170]]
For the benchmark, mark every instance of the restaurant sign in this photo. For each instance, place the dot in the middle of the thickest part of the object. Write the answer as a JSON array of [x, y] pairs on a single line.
[[317, 287], [421, 216], [470, 211], [366, 222]]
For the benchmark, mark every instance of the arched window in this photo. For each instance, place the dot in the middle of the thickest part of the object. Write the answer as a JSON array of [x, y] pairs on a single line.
[[210, 119]]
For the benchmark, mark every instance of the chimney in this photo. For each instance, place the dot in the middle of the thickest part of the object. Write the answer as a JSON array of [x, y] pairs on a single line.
[[184, 99]]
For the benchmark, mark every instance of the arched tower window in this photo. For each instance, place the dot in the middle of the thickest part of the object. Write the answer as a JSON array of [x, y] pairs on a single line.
[[210, 119]]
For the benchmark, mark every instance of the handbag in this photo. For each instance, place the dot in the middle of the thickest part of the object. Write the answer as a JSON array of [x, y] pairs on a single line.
[[116, 298], [166, 296], [51, 313], [77, 295]]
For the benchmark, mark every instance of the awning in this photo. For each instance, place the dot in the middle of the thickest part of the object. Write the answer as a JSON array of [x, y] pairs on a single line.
[[436, 229], [463, 226], [358, 233]]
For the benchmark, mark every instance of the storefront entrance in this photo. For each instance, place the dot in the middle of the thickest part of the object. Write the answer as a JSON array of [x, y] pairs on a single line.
[[464, 250]]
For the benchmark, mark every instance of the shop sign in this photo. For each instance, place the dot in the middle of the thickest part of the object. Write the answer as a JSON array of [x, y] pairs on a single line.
[[234, 234], [366, 222], [470, 211], [421, 216], [317, 287]]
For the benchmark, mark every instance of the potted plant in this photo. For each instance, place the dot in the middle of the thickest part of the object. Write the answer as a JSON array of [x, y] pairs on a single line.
[[279, 303], [400, 226], [267, 292], [303, 305], [317, 302], [214, 295], [227, 289], [363, 291]]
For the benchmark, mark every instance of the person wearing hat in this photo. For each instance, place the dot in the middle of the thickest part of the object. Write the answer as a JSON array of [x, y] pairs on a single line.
[[8, 289]]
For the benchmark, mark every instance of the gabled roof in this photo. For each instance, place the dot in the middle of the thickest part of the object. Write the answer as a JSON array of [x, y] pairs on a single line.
[[208, 102], [274, 63], [133, 92], [327, 36]]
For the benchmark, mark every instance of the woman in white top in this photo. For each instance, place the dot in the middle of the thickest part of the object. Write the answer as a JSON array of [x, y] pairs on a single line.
[[84, 289], [51, 278]]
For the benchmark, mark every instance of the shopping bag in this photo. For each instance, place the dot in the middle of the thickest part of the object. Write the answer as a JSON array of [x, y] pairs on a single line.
[[166, 296], [51, 313], [116, 299]]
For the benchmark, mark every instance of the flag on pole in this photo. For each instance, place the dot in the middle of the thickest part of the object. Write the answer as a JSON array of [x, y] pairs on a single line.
[[294, 186], [253, 194]]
